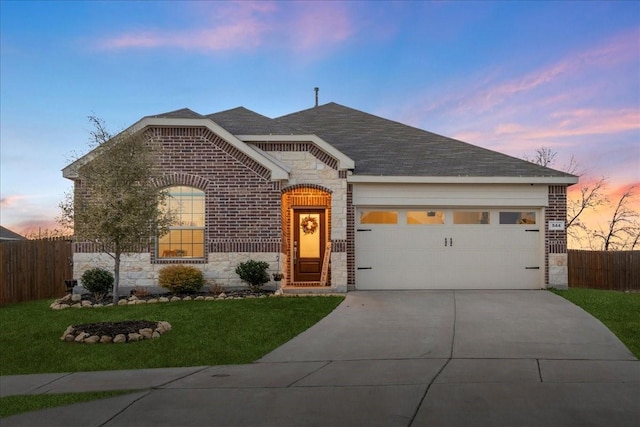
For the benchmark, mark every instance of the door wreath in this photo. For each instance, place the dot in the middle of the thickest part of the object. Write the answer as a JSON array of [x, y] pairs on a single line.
[[309, 225]]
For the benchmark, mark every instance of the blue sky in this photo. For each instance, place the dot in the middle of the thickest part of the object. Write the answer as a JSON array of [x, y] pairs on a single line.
[[509, 76]]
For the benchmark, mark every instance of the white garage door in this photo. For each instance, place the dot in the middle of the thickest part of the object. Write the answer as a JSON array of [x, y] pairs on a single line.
[[423, 248]]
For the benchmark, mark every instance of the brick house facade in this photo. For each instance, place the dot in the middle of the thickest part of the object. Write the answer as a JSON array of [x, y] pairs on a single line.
[[262, 178]]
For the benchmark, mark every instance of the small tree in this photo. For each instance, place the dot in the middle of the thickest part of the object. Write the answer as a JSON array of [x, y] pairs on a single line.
[[115, 203]]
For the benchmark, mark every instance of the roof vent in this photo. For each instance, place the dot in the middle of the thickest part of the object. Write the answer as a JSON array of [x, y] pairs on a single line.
[[316, 90]]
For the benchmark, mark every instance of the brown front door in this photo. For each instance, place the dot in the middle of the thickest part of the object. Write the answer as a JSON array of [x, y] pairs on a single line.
[[309, 241]]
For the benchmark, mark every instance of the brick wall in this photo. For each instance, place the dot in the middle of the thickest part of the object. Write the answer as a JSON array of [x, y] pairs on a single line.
[[556, 269], [243, 215]]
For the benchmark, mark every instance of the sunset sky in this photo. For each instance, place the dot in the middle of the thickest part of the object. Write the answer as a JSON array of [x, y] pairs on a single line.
[[508, 76]]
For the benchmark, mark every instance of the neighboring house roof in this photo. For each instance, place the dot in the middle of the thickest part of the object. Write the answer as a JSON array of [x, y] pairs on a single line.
[[384, 147], [6, 234]]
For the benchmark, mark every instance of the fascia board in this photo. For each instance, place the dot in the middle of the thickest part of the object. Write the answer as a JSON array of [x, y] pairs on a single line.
[[344, 161], [566, 180]]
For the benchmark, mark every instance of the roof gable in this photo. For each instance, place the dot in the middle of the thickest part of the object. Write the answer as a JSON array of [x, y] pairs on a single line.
[[241, 121]]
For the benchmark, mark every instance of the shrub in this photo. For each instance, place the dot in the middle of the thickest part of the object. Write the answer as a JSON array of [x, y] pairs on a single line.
[[181, 279], [254, 273], [98, 281]]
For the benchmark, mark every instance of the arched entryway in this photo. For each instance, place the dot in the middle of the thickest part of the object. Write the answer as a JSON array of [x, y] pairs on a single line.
[[306, 235]]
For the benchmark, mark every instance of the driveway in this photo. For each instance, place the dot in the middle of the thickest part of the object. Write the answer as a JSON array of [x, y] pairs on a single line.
[[402, 358]]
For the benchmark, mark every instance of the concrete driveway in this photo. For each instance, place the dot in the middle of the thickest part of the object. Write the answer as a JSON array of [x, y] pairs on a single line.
[[406, 358]]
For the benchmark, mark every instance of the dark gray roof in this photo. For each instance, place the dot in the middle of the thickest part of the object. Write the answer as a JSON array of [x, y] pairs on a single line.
[[384, 147], [6, 234], [240, 121], [183, 113]]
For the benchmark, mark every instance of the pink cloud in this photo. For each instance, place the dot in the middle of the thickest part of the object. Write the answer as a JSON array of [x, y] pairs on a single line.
[[320, 23], [11, 201], [248, 25]]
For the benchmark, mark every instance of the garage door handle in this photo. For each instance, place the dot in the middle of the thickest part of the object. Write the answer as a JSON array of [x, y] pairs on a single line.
[[363, 229], [532, 268], [450, 242], [536, 230], [365, 268]]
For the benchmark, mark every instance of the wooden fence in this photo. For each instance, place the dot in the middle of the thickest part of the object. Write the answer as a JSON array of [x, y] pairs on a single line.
[[34, 269], [613, 270]]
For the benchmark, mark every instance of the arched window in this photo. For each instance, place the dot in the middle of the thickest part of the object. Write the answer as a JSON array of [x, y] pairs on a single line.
[[185, 238]]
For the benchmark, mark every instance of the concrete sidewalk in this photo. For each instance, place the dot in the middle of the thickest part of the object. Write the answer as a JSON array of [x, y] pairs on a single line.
[[442, 358]]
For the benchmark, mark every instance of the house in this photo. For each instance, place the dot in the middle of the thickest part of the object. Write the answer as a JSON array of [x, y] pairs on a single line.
[[7, 235], [338, 199]]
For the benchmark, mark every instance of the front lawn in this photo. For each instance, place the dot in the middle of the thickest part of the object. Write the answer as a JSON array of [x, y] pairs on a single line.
[[618, 311], [203, 333]]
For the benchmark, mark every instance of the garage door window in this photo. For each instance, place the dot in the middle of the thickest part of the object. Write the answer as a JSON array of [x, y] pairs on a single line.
[[471, 217], [425, 217], [378, 217], [517, 217]]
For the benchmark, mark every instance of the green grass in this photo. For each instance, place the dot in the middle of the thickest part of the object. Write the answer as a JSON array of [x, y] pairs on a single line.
[[203, 333], [618, 311], [13, 405]]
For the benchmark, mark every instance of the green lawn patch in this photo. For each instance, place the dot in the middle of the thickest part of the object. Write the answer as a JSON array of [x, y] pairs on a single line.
[[619, 311], [13, 405], [203, 333]]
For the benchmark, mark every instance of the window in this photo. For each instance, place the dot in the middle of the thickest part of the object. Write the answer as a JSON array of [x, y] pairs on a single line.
[[185, 238], [517, 217], [471, 217], [378, 217], [425, 217]]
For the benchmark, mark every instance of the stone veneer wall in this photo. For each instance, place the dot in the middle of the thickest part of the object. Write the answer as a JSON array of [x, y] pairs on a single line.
[[137, 270], [557, 270]]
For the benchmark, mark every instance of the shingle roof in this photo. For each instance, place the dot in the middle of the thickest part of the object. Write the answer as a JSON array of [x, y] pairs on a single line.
[[240, 121], [6, 234], [183, 113], [383, 147]]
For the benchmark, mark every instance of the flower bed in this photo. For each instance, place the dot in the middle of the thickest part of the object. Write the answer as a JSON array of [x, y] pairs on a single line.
[[115, 332]]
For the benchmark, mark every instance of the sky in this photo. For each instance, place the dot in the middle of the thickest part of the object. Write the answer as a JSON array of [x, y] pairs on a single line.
[[508, 76]]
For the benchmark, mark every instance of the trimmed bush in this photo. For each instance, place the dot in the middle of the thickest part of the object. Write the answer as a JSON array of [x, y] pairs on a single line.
[[254, 273], [98, 281], [181, 279]]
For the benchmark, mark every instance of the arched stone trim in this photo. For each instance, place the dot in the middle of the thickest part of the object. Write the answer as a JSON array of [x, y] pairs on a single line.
[[168, 180], [304, 186], [300, 196]]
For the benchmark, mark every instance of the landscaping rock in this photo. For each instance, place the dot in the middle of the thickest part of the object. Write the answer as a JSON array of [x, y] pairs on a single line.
[[152, 301], [119, 338], [92, 339], [163, 299], [175, 299], [81, 336], [146, 332], [123, 302], [76, 297], [106, 339], [134, 337]]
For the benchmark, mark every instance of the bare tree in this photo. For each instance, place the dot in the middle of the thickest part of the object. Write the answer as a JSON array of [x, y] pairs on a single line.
[[622, 226], [543, 156], [591, 194], [115, 203]]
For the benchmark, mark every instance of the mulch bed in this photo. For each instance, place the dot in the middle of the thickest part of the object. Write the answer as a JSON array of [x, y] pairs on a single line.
[[115, 328]]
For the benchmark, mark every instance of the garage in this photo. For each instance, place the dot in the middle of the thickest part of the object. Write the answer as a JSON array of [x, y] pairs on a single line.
[[469, 246]]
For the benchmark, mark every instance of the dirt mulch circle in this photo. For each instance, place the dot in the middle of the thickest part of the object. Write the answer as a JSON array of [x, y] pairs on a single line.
[[115, 328]]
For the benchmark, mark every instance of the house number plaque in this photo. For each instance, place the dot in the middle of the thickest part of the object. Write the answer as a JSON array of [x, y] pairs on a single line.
[[556, 225]]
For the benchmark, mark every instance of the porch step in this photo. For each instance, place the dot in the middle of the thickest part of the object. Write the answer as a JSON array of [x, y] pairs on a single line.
[[308, 290]]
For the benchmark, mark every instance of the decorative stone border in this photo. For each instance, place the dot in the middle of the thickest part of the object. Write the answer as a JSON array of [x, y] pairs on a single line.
[[78, 334], [76, 301]]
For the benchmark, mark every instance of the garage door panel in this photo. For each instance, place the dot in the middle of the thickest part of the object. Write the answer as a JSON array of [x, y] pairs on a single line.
[[449, 256]]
